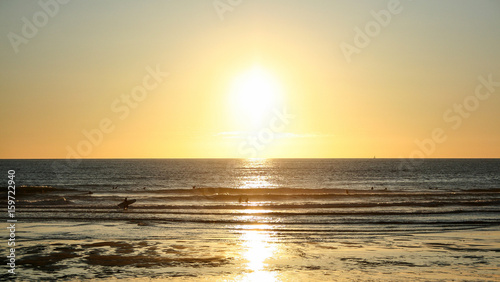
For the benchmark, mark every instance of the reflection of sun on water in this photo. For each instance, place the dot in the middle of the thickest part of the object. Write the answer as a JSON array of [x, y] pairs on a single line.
[[254, 179], [255, 182], [257, 250], [256, 163]]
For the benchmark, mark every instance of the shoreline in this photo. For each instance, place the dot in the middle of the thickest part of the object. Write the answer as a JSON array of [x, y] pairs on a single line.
[[114, 250]]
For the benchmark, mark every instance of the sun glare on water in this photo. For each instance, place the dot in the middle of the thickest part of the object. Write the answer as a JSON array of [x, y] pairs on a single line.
[[255, 93], [257, 250]]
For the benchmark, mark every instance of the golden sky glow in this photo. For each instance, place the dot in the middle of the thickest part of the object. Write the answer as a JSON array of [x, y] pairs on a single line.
[[162, 79]]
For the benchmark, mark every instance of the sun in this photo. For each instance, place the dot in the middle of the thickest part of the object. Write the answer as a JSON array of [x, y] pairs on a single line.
[[255, 94]]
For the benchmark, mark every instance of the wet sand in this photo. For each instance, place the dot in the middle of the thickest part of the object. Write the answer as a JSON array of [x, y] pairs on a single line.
[[187, 252]]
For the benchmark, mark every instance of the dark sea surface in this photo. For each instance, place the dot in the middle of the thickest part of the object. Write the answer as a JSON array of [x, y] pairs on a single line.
[[290, 201]]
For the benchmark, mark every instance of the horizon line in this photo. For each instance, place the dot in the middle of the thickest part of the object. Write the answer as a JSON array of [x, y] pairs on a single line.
[[284, 158]]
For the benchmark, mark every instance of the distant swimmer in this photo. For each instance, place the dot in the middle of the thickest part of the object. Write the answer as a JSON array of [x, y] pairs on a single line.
[[372, 187], [347, 191], [90, 193], [144, 188], [194, 187], [240, 199], [246, 200]]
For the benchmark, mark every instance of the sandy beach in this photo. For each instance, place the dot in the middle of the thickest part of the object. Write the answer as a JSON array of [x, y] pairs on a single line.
[[186, 252]]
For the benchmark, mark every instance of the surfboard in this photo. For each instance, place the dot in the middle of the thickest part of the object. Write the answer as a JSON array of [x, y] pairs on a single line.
[[126, 203]]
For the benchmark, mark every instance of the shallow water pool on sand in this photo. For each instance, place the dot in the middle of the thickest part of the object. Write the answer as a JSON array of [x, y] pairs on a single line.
[[108, 250]]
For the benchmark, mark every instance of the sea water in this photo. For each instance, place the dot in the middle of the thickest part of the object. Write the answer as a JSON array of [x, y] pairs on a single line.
[[257, 219]]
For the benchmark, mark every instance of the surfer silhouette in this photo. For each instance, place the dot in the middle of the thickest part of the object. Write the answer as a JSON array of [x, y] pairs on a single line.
[[124, 205]]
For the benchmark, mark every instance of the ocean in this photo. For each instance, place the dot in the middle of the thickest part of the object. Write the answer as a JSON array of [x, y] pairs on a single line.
[[256, 219]]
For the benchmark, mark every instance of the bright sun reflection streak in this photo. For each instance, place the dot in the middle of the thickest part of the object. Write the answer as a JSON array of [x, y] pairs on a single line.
[[257, 250], [254, 180], [247, 211]]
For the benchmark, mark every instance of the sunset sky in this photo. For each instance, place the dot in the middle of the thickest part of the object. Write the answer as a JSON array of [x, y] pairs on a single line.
[[261, 78]]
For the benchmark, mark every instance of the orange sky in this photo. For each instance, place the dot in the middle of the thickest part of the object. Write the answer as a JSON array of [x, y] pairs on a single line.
[[328, 79]]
